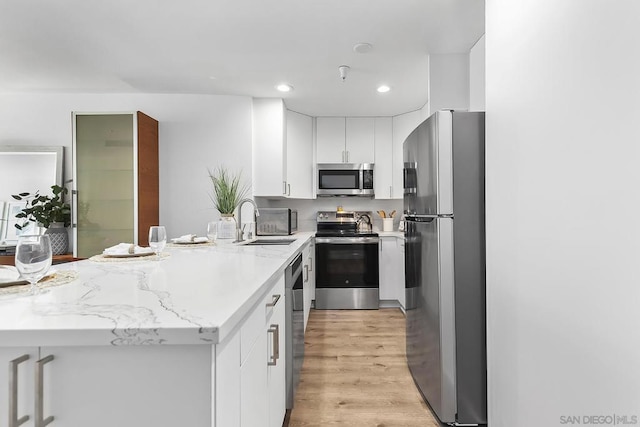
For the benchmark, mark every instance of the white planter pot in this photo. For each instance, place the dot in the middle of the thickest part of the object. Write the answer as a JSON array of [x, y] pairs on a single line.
[[59, 238]]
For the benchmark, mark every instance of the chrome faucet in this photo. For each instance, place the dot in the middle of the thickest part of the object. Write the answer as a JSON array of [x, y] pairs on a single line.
[[256, 213]]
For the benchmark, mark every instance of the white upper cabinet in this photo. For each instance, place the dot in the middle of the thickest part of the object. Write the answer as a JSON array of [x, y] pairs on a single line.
[[269, 148], [282, 151], [384, 161], [359, 145], [403, 125], [330, 139], [345, 139], [300, 165]]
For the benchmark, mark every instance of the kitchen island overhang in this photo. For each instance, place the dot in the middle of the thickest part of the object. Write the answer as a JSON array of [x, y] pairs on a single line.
[[193, 296]]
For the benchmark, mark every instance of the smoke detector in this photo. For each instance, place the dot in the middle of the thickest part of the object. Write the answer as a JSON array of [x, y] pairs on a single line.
[[362, 48], [343, 70]]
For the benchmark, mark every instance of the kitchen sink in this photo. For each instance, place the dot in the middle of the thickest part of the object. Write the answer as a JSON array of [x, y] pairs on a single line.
[[260, 242]]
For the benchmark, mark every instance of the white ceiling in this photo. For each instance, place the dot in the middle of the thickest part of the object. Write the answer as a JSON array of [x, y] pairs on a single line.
[[239, 47]]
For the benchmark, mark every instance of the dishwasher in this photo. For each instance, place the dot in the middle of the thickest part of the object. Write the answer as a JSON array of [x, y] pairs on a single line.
[[294, 325]]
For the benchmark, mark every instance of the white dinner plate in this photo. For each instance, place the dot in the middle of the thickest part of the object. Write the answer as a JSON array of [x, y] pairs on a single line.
[[129, 255], [8, 274], [186, 242]]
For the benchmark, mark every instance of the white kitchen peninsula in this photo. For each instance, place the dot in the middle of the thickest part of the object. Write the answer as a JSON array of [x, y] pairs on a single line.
[[181, 341]]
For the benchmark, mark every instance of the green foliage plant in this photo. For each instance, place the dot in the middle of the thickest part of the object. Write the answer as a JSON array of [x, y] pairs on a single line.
[[228, 190], [44, 210]]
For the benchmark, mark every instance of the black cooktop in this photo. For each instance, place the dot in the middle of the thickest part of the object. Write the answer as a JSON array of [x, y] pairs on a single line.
[[343, 224]]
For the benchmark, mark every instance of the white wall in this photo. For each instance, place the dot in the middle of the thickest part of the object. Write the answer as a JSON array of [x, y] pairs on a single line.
[[448, 82], [477, 76], [196, 132], [563, 202]]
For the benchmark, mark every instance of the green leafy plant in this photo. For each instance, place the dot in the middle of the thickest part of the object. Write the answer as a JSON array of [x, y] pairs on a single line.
[[44, 210], [228, 190]]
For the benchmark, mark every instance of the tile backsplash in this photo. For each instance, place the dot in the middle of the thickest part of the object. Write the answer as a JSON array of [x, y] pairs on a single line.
[[307, 209]]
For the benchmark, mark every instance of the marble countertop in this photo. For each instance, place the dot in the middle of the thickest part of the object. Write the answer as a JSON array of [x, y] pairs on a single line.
[[195, 295]]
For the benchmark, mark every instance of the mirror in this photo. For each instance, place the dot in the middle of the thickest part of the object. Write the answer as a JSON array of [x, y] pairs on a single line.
[[25, 169]]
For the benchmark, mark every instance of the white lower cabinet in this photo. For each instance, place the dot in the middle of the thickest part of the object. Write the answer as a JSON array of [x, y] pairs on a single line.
[[239, 382], [253, 385], [276, 372], [104, 386], [308, 279], [392, 269], [250, 376], [16, 384]]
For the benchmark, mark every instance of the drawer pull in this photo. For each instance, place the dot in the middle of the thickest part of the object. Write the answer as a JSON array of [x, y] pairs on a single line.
[[275, 330], [14, 421], [40, 421], [274, 301]]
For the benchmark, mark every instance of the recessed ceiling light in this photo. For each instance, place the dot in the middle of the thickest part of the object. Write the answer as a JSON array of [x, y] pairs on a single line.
[[284, 87], [383, 89], [362, 48]]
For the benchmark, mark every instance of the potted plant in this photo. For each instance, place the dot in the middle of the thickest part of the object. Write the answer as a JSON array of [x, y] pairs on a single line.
[[50, 212], [228, 192]]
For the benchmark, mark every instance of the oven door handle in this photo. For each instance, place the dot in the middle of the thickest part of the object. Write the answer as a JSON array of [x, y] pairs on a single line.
[[348, 240]]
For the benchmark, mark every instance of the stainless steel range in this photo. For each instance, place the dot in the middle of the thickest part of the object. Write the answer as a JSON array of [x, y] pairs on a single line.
[[347, 261]]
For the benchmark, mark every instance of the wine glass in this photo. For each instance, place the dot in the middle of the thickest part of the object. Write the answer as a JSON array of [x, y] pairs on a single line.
[[212, 231], [157, 239], [33, 258]]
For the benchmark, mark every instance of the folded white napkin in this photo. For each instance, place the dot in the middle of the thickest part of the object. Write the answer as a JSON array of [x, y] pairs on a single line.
[[126, 249], [190, 238]]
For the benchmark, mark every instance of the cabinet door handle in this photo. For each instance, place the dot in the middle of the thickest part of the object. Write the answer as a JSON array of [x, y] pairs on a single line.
[[310, 264], [40, 421], [284, 187], [390, 192], [14, 421], [347, 156], [343, 159], [273, 359], [288, 189], [306, 273], [74, 212], [274, 300]]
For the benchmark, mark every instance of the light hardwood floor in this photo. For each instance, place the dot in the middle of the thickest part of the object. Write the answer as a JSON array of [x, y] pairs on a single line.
[[355, 372]]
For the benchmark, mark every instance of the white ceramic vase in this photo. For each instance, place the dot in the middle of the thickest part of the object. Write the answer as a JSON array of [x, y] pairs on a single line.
[[59, 238]]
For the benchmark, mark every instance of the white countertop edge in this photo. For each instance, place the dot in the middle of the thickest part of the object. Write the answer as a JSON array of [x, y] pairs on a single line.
[[188, 335]]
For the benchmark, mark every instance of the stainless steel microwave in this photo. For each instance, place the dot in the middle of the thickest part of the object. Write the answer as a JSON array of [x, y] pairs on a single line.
[[276, 222], [345, 179]]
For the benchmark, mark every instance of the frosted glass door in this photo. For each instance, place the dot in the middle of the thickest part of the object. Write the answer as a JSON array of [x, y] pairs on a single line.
[[104, 181]]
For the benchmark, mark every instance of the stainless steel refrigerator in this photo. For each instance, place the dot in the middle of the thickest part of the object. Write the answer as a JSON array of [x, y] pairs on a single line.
[[445, 264]]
